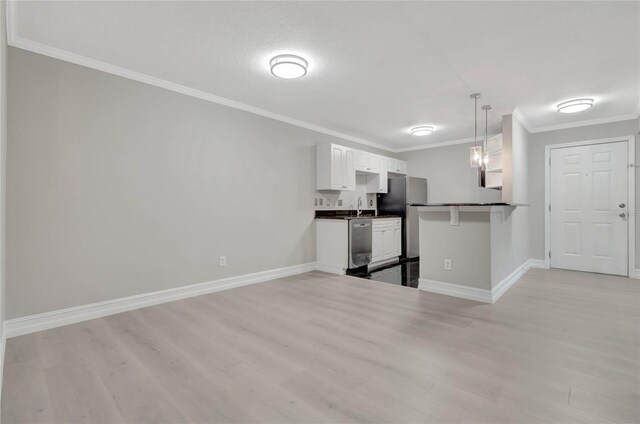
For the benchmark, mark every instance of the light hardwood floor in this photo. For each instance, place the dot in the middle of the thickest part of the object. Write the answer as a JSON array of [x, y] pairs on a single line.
[[559, 346]]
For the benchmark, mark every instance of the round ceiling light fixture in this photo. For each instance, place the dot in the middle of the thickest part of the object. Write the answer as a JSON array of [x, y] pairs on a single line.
[[422, 130], [288, 66], [576, 105]]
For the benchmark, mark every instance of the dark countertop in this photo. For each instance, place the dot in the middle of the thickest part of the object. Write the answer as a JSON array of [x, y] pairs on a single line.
[[347, 217], [474, 204], [351, 214]]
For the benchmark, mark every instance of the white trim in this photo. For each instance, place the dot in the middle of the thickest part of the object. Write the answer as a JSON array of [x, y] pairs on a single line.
[[439, 144], [182, 89], [330, 269], [455, 290], [480, 295], [587, 123], [501, 288], [517, 113], [536, 263], [631, 195], [16, 41], [30, 324], [637, 274]]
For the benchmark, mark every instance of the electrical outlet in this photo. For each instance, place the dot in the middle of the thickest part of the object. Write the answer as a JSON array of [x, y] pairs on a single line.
[[371, 203], [328, 202], [315, 202], [320, 201], [340, 202], [447, 264], [223, 261]]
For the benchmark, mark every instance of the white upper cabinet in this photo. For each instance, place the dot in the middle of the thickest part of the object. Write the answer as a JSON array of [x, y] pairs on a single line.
[[493, 176], [396, 166], [335, 167], [367, 162]]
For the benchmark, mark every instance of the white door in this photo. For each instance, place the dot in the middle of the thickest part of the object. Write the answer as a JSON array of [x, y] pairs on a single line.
[[589, 216]]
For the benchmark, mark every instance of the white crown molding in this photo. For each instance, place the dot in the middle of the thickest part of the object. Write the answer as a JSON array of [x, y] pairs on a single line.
[[522, 119], [32, 323], [586, 123], [439, 144], [15, 41]]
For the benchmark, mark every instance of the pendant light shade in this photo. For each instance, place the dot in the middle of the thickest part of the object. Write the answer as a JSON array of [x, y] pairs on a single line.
[[475, 154], [475, 158]]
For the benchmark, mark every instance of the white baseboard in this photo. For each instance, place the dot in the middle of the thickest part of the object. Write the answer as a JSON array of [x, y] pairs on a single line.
[[637, 274], [480, 295], [508, 281], [535, 263], [30, 324], [330, 269], [455, 290]]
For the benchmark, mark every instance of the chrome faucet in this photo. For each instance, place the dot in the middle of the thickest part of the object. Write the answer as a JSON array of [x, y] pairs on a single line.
[[359, 205]]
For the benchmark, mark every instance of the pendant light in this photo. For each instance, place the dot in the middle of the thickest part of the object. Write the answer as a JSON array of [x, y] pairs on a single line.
[[475, 154], [485, 159]]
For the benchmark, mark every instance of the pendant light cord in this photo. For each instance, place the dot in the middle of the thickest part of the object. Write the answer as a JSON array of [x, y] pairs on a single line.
[[475, 117]]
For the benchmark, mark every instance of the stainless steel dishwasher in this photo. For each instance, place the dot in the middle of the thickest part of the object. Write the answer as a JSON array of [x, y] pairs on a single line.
[[360, 236]]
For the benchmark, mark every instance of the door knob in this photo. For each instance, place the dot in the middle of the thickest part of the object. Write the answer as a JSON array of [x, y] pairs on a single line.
[[622, 205], [622, 215]]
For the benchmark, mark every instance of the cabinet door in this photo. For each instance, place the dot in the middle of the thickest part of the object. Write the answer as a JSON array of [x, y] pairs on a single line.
[[374, 163], [397, 241], [337, 167], [350, 170], [388, 244], [384, 182], [391, 165], [402, 167], [362, 161], [376, 246]]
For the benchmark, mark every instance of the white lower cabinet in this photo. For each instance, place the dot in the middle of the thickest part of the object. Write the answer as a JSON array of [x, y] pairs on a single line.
[[386, 239], [376, 245]]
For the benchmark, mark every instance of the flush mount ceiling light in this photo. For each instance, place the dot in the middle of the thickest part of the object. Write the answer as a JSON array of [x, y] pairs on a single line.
[[288, 66], [576, 105], [422, 130]]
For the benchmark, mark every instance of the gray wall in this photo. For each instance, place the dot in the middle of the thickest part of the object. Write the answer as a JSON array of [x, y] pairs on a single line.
[[515, 156], [537, 144], [450, 178], [468, 245], [3, 168], [117, 188]]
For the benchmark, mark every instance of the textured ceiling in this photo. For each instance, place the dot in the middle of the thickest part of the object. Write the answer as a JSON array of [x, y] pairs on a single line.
[[376, 68]]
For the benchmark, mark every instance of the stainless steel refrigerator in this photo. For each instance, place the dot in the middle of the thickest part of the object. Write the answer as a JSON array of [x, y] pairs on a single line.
[[405, 194]]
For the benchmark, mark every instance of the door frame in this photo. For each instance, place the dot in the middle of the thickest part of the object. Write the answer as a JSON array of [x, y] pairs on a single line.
[[631, 196]]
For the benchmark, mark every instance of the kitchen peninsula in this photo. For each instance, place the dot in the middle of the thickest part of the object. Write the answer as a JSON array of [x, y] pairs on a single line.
[[478, 250]]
